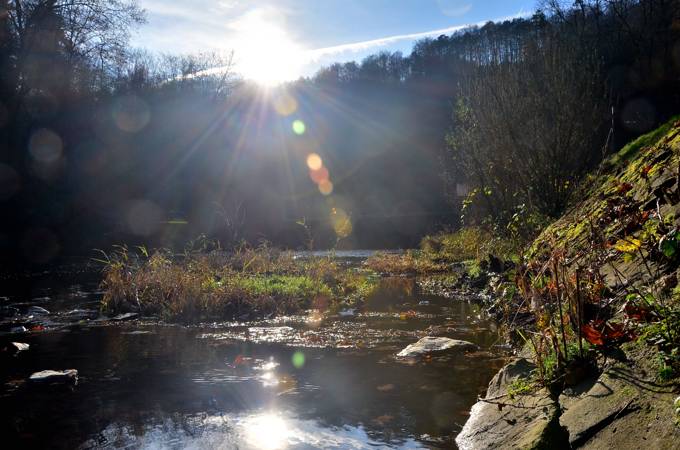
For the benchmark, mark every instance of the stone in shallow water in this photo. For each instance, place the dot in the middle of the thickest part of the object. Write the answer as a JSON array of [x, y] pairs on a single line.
[[126, 316], [430, 344], [19, 346], [37, 310], [55, 376], [347, 312]]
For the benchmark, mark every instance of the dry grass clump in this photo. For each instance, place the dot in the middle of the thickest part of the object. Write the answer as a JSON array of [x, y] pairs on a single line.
[[438, 252], [469, 243], [247, 283], [409, 262]]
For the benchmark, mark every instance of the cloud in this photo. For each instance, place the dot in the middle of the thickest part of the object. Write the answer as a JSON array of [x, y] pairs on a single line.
[[356, 47], [227, 25], [381, 42]]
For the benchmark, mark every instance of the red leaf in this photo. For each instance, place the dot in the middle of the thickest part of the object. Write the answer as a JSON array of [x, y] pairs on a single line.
[[636, 312], [613, 331], [591, 335], [645, 171], [623, 188]]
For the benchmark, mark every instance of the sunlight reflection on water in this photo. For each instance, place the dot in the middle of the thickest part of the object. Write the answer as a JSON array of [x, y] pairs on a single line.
[[267, 430]]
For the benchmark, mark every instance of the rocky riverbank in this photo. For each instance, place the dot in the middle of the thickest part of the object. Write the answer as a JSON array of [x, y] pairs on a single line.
[[595, 303], [622, 407]]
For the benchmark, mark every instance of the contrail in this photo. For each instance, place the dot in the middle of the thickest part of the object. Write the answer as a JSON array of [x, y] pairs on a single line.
[[316, 54], [380, 42]]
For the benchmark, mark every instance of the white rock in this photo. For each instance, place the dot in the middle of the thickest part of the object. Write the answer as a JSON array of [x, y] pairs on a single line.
[[430, 344], [20, 346], [126, 316], [37, 310], [346, 313], [55, 376]]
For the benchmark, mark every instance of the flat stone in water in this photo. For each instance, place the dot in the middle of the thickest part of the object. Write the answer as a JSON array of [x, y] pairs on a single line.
[[430, 344], [126, 316], [37, 310], [55, 376], [19, 346]]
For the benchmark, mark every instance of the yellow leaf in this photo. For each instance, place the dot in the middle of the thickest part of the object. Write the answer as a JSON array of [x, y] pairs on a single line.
[[629, 245]]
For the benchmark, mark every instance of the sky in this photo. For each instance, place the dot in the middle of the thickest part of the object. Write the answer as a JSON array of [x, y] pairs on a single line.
[[281, 40]]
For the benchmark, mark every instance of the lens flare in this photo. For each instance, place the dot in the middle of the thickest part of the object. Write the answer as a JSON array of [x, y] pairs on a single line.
[[341, 222], [284, 103], [45, 146], [314, 161], [298, 360], [131, 114], [319, 176], [299, 127], [326, 187]]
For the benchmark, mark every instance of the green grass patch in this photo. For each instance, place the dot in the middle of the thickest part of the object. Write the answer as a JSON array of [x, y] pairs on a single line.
[[245, 283], [631, 149], [282, 286], [413, 262]]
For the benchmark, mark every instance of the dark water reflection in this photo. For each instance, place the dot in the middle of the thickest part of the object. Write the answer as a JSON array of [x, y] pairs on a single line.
[[287, 383]]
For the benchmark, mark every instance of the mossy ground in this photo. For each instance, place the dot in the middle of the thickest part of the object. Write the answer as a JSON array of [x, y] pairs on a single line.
[[621, 237], [464, 249], [619, 201]]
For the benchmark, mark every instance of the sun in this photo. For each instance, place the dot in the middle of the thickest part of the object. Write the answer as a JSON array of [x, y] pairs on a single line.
[[265, 53]]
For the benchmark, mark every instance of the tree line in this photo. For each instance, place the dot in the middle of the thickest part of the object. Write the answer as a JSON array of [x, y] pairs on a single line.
[[102, 143]]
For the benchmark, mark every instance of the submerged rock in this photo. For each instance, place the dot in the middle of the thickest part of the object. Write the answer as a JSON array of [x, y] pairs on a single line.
[[346, 312], [37, 310], [55, 376], [126, 316], [8, 311], [430, 344]]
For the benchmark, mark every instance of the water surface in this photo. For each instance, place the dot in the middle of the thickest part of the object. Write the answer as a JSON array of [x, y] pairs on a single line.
[[292, 382]]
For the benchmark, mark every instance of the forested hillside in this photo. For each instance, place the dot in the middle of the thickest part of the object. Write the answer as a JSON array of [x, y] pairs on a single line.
[[103, 143]]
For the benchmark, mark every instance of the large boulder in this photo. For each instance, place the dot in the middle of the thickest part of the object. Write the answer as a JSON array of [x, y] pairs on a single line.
[[624, 407], [522, 422], [430, 344]]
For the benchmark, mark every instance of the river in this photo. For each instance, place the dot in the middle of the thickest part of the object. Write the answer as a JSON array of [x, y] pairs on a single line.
[[290, 382]]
